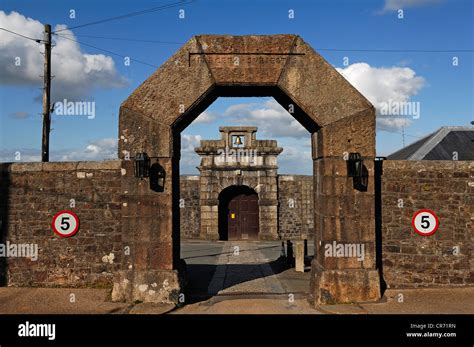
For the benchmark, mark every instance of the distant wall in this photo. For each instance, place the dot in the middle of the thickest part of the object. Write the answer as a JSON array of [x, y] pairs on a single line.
[[296, 206], [190, 212], [447, 188], [32, 193]]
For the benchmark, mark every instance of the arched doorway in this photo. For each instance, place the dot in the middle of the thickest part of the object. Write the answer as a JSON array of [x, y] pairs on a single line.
[[339, 118], [238, 214]]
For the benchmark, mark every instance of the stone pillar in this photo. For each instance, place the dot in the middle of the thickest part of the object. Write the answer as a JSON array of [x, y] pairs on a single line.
[[268, 218], [210, 222], [343, 217], [209, 205], [299, 256], [268, 201], [148, 273]]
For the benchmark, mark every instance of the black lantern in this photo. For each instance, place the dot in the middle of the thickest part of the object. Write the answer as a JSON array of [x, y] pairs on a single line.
[[157, 178], [354, 165], [142, 165], [358, 172]]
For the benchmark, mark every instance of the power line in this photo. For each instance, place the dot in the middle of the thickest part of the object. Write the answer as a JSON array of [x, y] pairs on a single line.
[[396, 50], [110, 52], [18, 34], [127, 39], [317, 49], [128, 15], [399, 132]]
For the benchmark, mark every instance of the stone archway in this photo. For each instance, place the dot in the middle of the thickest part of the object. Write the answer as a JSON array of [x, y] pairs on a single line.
[[339, 118]]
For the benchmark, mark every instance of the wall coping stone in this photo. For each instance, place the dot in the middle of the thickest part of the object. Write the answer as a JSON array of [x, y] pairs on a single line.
[[293, 177], [427, 164], [189, 178], [61, 166]]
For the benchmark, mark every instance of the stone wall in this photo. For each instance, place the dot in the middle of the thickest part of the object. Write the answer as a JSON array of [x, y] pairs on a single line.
[[32, 193], [447, 188], [190, 212], [296, 205]]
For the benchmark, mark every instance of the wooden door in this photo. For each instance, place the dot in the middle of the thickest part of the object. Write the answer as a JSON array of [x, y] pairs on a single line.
[[242, 218]]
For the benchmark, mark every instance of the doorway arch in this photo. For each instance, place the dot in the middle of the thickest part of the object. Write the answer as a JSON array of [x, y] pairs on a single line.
[[338, 117], [238, 214]]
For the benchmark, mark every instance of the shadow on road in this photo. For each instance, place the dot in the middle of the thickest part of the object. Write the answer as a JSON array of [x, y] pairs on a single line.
[[200, 277]]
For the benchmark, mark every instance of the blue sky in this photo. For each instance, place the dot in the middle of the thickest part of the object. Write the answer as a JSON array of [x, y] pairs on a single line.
[[443, 91]]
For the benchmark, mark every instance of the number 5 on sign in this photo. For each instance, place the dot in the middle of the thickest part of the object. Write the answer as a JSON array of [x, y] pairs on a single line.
[[65, 223], [425, 222]]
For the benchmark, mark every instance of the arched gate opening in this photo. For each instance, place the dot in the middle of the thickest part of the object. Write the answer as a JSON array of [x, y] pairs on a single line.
[[339, 118]]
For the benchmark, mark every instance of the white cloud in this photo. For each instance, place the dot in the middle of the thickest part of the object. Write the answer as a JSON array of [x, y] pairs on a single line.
[[393, 5], [21, 155], [189, 142], [205, 117], [189, 158], [384, 85], [388, 123], [295, 158], [238, 109], [270, 117], [76, 74], [102, 149]]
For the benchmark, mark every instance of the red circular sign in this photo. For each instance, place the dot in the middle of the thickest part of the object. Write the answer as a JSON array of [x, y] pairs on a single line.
[[65, 223], [425, 222]]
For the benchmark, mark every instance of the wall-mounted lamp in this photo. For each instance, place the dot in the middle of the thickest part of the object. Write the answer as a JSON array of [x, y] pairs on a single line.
[[354, 165], [142, 165], [157, 178], [358, 172]]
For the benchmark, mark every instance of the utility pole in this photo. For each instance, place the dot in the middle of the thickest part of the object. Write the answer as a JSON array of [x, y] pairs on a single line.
[[46, 94]]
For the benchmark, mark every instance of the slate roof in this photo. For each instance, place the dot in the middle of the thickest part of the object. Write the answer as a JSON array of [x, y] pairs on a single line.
[[440, 145]]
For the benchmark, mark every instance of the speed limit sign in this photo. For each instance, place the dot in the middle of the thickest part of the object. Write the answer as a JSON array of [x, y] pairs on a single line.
[[65, 223], [425, 222]]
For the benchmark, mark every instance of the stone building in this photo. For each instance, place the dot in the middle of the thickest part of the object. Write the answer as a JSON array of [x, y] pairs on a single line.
[[239, 194], [238, 186]]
